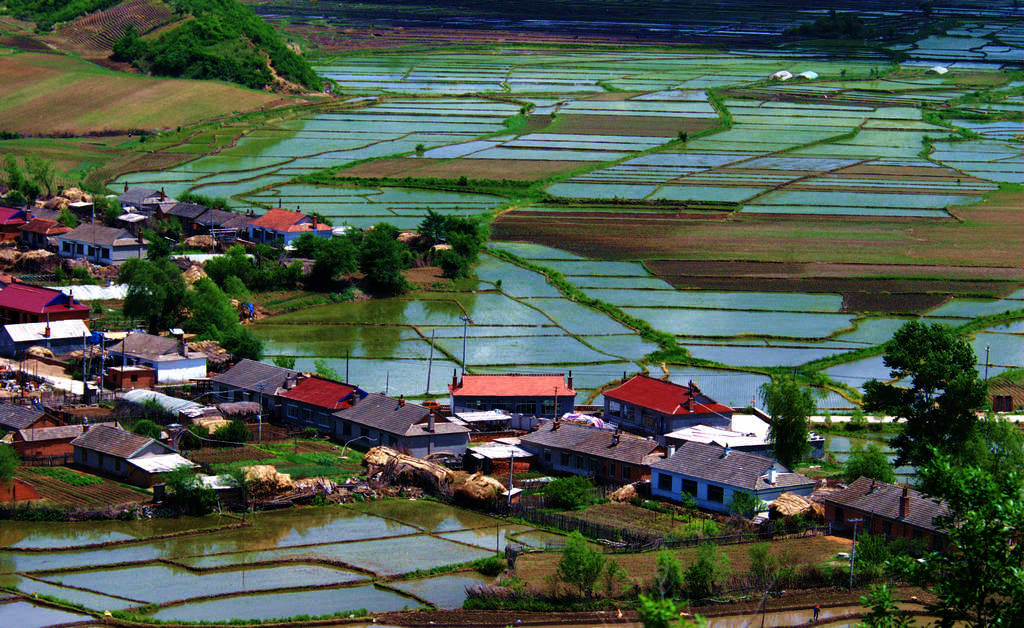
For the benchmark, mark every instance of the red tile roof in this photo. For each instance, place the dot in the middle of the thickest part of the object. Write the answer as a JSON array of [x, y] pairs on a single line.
[[12, 216], [37, 300], [665, 397], [321, 392], [44, 226], [287, 221], [514, 385]]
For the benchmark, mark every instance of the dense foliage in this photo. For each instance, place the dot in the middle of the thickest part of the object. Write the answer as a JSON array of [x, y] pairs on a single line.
[[156, 293], [46, 13], [383, 258], [213, 318], [835, 25], [580, 564], [869, 462], [465, 236], [9, 462], [570, 493], [225, 40], [789, 404], [259, 274]]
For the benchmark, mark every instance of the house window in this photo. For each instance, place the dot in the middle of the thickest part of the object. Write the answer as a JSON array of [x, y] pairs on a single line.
[[716, 494], [614, 408], [105, 253], [292, 412], [887, 528], [577, 462], [611, 470], [839, 515], [66, 247], [346, 428], [364, 431], [526, 407], [547, 456], [548, 406], [117, 464], [625, 472], [79, 249], [565, 459], [690, 487], [665, 482]]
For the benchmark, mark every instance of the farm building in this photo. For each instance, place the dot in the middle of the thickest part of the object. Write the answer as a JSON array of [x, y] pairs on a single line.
[[144, 201], [60, 337], [887, 509], [548, 395], [101, 245], [607, 456], [712, 475], [487, 421], [311, 401], [49, 441], [186, 214], [746, 432], [280, 226], [380, 420], [11, 222], [250, 380], [40, 233], [137, 459], [25, 303], [218, 222], [129, 377], [14, 417], [656, 407], [169, 357]]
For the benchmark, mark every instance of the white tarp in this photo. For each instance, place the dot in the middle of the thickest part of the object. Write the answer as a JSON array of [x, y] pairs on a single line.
[[96, 293], [171, 404]]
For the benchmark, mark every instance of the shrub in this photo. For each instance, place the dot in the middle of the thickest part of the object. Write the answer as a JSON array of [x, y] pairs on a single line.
[[146, 428], [703, 574], [744, 504], [490, 566], [232, 434], [188, 493], [570, 493], [191, 439], [870, 462], [670, 574], [580, 565]]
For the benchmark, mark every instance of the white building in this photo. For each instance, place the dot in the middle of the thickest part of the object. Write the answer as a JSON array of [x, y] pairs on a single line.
[[169, 357]]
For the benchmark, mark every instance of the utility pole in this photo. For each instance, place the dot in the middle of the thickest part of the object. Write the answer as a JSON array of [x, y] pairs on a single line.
[[430, 364], [346, 367], [465, 322], [259, 419], [853, 550], [986, 362]]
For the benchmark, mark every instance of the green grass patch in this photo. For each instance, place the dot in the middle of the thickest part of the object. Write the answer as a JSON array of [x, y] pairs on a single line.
[[67, 476]]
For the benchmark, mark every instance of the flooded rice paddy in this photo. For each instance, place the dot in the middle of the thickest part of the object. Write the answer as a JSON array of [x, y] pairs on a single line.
[[306, 561]]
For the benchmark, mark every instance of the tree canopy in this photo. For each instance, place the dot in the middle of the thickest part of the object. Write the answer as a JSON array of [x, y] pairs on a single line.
[[943, 394], [580, 565], [789, 404], [156, 293], [870, 462], [383, 258]]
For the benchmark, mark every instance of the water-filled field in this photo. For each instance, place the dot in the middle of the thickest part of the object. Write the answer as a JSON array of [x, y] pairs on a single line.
[[306, 561]]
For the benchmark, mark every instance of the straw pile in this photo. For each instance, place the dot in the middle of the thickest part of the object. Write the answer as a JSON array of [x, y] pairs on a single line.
[[624, 494], [790, 505], [401, 469], [40, 352], [194, 273], [8, 257], [201, 242], [477, 487], [264, 481], [37, 261]]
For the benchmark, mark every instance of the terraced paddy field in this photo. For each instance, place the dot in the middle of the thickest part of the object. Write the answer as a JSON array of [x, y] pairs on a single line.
[[759, 223], [282, 564]]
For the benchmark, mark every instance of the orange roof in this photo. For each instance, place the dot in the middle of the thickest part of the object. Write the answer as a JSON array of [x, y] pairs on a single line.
[[514, 385], [325, 393], [666, 397], [287, 221], [45, 226]]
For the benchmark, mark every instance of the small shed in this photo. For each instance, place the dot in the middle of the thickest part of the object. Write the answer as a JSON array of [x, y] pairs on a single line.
[[129, 377], [487, 421]]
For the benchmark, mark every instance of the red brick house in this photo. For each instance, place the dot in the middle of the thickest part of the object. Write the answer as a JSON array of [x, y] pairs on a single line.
[[25, 303], [542, 395], [48, 441], [11, 221], [886, 509], [14, 417], [37, 232], [656, 407]]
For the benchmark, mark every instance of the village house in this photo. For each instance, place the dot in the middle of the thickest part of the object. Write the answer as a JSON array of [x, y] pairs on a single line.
[[408, 427], [60, 337], [129, 377], [250, 380], [169, 357], [746, 432], [14, 417], [549, 395], [41, 442], [220, 224], [886, 509], [186, 214], [41, 233], [136, 459], [101, 245], [11, 222], [712, 475], [656, 407], [281, 227], [144, 201], [25, 303], [311, 401], [611, 457]]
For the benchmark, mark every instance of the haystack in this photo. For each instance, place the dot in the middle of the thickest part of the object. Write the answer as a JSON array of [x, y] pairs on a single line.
[[56, 203], [401, 469], [40, 352], [624, 494], [239, 410], [194, 273], [477, 487], [790, 505], [74, 195], [408, 237], [264, 481], [37, 261], [211, 422], [201, 242], [8, 257]]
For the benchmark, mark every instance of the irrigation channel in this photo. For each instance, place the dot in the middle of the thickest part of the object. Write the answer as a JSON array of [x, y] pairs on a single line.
[[377, 556]]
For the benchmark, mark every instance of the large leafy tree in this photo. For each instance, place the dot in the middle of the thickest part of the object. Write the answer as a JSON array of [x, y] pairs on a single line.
[[870, 462], [156, 293], [580, 565], [213, 318], [383, 258], [979, 578], [9, 462], [943, 394], [789, 404]]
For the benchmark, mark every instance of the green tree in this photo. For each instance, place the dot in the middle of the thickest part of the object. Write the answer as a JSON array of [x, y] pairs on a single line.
[[129, 47], [323, 369], [15, 198], [995, 445], [193, 437], [338, 256], [156, 293], [68, 219], [670, 574], [146, 428], [744, 504], [978, 578], [211, 315], [870, 462], [703, 574], [789, 404], [284, 361], [939, 404], [433, 226], [9, 462], [580, 565], [235, 289], [763, 564], [885, 612], [383, 258], [108, 208], [662, 613], [570, 493], [232, 434], [242, 343], [157, 247], [188, 492], [41, 171]]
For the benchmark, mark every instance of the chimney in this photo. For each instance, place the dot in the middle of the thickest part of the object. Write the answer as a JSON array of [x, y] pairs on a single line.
[[46, 332], [905, 503], [615, 438], [872, 489], [455, 379], [314, 222], [773, 475], [401, 401], [430, 421], [85, 424], [726, 452], [555, 425], [689, 402], [570, 380], [163, 197], [670, 451], [125, 186]]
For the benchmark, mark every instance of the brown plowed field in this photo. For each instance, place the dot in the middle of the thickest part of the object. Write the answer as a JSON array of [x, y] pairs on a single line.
[[644, 126], [512, 169], [94, 496]]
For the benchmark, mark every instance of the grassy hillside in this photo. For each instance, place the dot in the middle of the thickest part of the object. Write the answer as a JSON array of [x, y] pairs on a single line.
[[46, 94]]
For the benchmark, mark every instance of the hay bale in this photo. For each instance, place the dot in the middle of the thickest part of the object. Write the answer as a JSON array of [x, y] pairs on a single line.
[[477, 487], [194, 273], [264, 481], [37, 261], [74, 195], [40, 352], [8, 257], [400, 469], [790, 505], [408, 237], [202, 242], [624, 494]]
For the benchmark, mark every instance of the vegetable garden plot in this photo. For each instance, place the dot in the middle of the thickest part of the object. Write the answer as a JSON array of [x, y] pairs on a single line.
[[836, 210]]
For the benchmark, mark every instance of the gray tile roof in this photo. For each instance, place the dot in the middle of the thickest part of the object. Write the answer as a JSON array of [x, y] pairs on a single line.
[[15, 417], [250, 374], [155, 348], [387, 414], [113, 441], [136, 196], [592, 442], [884, 502], [60, 432], [98, 234], [739, 469], [186, 210], [220, 219]]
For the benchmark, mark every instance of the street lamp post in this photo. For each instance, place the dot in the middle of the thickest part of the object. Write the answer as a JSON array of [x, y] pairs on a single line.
[[853, 550]]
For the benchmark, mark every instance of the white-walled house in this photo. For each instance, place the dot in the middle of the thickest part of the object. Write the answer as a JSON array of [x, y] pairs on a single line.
[[712, 475], [169, 357], [101, 245]]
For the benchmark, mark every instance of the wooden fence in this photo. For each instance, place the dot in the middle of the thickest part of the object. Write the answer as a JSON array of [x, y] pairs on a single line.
[[48, 461]]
